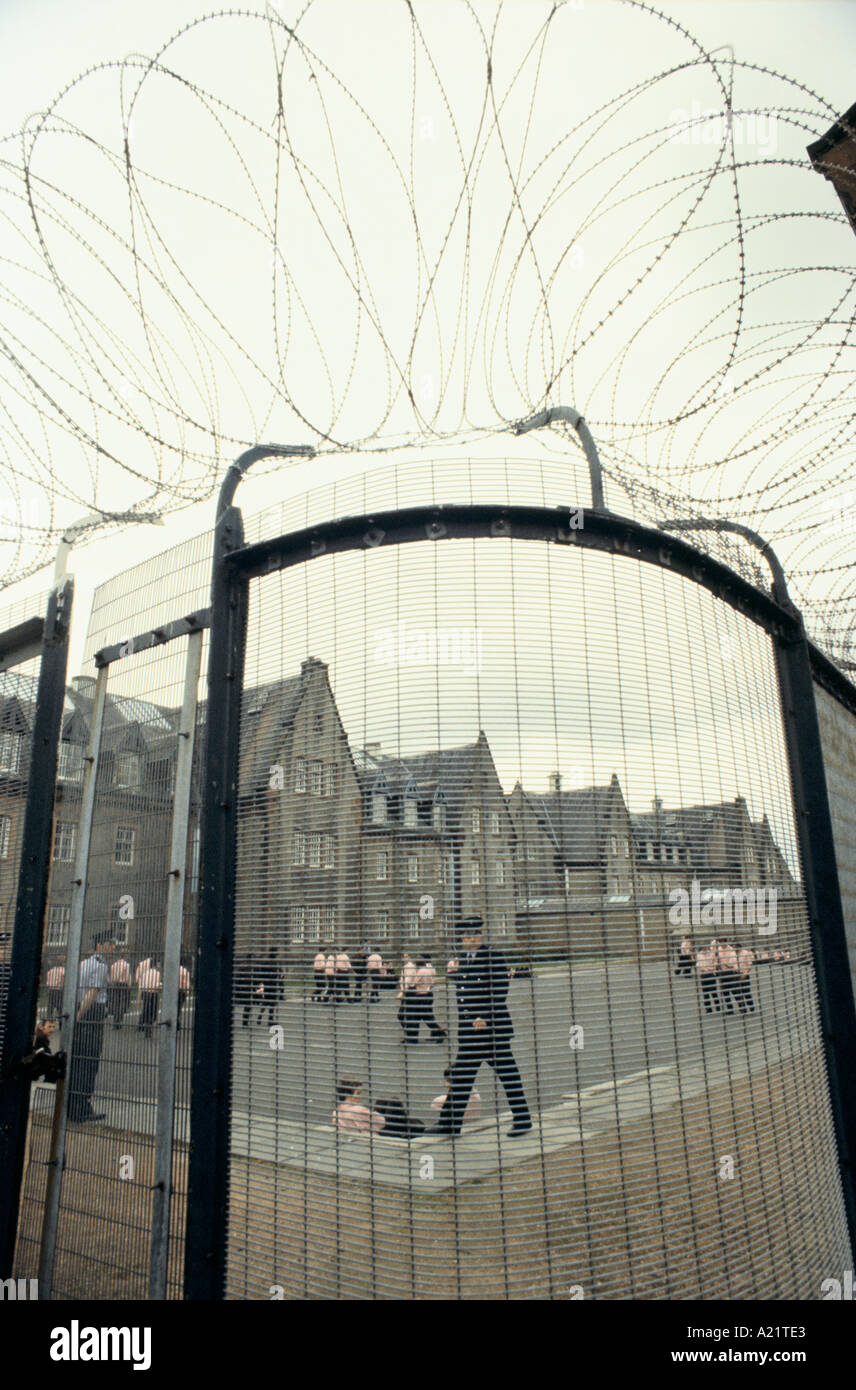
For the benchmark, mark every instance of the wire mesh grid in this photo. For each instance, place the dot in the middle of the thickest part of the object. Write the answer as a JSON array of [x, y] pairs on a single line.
[[587, 754]]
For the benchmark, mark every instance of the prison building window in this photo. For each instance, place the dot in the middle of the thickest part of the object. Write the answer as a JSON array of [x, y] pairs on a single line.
[[314, 922], [70, 761], [6, 835], [314, 850], [378, 808], [626, 848], [664, 850], [64, 841], [476, 820], [439, 816], [298, 923], [59, 917], [329, 923], [126, 838], [649, 849], [475, 872], [613, 845], [494, 822], [502, 925], [300, 775], [500, 873], [381, 866], [318, 722], [126, 770], [10, 751], [411, 812], [331, 779], [382, 930], [329, 851], [441, 869], [412, 924], [298, 848], [412, 868], [316, 779]]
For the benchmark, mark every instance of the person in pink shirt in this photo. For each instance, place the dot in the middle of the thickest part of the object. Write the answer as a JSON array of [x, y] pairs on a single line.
[[350, 1113], [319, 967], [374, 966], [55, 980], [119, 995], [474, 1103]]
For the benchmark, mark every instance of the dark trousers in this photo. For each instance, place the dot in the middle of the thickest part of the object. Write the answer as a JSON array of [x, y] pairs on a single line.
[[320, 984], [374, 986], [148, 1011], [729, 988], [119, 997], [359, 980], [182, 995], [745, 1000], [709, 993], [343, 986], [85, 1060], [473, 1049], [684, 965], [420, 1009]]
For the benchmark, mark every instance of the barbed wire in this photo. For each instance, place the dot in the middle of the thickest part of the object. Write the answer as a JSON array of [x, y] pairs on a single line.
[[401, 228]]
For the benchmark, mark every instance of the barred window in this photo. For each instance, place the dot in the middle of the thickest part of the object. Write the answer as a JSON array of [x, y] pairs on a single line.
[[298, 848], [382, 929], [476, 820], [411, 812], [314, 919], [381, 866], [378, 808], [59, 918], [300, 767], [70, 761], [6, 836], [126, 770], [412, 868], [11, 745], [439, 816], [329, 851], [329, 923], [316, 778], [412, 924], [126, 839], [502, 924], [298, 923], [331, 779], [494, 822], [500, 873], [315, 850], [475, 872], [64, 841]]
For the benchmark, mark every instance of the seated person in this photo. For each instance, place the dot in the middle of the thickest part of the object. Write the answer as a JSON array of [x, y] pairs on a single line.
[[473, 1109], [398, 1124], [350, 1113]]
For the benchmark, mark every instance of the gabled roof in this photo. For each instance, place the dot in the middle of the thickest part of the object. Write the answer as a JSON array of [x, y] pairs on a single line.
[[445, 774], [573, 819]]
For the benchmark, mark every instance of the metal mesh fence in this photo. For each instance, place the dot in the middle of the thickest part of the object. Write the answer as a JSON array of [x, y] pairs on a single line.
[[106, 1206], [581, 750]]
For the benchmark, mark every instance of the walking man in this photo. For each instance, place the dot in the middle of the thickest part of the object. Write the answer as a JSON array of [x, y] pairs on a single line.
[[55, 980], [360, 964], [484, 1031], [92, 982], [150, 983], [729, 976], [745, 961], [318, 965], [406, 981], [374, 966], [342, 983], [706, 966], [120, 990], [421, 1004]]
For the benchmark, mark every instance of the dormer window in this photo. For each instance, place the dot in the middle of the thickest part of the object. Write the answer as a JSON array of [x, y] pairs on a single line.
[[411, 812], [476, 820], [378, 808]]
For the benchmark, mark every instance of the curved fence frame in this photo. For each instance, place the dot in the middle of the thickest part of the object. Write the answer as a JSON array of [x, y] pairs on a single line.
[[235, 564]]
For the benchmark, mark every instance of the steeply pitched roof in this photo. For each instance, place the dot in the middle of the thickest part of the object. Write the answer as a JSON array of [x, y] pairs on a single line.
[[574, 819]]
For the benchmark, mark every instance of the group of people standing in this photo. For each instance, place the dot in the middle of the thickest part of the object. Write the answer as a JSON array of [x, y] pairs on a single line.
[[724, 970], [333, 972]]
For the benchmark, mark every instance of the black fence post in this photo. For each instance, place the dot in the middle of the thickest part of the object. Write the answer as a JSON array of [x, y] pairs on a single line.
[[823, 898], [26, 961], [210, 1105]]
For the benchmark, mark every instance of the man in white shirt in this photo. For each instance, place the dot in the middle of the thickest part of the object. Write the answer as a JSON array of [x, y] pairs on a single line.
[[88, 1040]]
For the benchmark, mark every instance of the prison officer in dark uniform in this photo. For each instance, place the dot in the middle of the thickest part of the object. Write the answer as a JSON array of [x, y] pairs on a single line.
[[484, 1031]]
